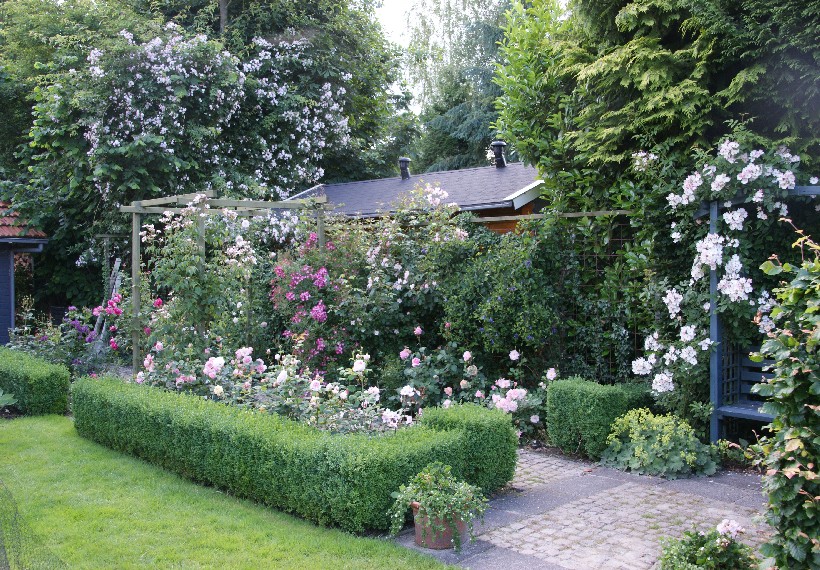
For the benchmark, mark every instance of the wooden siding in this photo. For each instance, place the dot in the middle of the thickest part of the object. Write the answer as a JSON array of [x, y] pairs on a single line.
[[507, 225]]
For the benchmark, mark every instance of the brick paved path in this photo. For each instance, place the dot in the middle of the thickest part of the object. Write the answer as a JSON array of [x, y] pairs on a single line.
[[560, 513]]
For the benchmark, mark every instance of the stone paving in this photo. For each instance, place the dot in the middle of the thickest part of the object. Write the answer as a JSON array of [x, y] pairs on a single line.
[[560, 513]]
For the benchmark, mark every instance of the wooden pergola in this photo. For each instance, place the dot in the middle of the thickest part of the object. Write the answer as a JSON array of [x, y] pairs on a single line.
[[731, 373], [177, 204]]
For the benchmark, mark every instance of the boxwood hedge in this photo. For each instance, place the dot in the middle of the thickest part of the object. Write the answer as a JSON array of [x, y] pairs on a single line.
[[580, 413], [38, 386], [344, 480]]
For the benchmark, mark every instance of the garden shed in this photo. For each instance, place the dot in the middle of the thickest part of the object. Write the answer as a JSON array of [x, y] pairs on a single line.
[[15, 237], [497, 191]]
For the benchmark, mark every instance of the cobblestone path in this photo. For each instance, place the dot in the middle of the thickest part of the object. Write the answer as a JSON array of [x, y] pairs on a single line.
[[563, 514]]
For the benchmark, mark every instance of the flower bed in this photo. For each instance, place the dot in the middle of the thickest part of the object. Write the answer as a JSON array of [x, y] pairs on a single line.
[[332, 479]]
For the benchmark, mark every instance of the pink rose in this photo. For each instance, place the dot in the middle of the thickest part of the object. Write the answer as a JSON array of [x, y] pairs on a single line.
[[448, 391], [417, 331], [404, 354], [416, 362], [467, 356], [157, 302]]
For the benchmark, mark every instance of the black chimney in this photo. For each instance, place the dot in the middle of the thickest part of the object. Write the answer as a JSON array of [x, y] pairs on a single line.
[[404, 166], [498, 151]]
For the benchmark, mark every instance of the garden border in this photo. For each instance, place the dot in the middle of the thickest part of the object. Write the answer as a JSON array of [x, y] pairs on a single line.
[[344, 480]]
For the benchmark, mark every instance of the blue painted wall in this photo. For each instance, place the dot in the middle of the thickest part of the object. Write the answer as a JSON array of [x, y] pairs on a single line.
[[6, 294]]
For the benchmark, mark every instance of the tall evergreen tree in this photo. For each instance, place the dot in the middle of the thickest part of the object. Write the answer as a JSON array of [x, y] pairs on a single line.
[[452, 58]]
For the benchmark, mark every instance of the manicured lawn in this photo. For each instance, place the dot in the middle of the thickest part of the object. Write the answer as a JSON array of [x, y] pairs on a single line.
[[95, 508]]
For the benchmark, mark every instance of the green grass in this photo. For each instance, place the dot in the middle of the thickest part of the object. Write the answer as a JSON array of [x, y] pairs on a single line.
[[95, 508]]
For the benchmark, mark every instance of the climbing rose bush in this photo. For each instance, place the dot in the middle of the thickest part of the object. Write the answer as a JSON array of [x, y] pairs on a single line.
[[751, 185]]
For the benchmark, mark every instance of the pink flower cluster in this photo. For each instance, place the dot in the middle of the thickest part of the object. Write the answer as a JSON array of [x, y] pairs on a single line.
[[213, 366], [111, 307], [509, 402]]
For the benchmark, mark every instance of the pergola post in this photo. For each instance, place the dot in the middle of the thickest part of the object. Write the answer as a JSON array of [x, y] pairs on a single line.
[[715, 395], [320, 225], [136, 224]]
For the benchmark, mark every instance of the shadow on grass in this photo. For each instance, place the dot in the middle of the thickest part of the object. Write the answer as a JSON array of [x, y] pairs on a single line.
[[20, 547]]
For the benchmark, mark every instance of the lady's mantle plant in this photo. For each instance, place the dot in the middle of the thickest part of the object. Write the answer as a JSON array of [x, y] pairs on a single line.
[[443, 500], [751, 185], [717, 549], [792, 454], [657, 445]]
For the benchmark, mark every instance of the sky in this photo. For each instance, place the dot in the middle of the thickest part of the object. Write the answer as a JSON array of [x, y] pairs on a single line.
[[393, 18]]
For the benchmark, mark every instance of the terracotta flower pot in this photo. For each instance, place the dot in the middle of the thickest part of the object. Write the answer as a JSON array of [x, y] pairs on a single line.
[[440, 540]]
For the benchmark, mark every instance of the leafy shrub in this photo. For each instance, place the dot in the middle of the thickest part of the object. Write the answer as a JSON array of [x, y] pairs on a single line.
[[793, 452], [580, 413], [489, 443], [443, 501], [657, 445], [343, 480], [6, 400], [717, 549], [38, 386]]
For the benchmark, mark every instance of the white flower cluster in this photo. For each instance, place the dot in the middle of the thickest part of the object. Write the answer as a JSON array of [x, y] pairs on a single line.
[[735, 219], [642, 159], [710, 253], [690, 185], [673, 299]]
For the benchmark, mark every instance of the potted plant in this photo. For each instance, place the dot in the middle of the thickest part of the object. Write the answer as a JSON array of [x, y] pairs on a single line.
[[444, 507]]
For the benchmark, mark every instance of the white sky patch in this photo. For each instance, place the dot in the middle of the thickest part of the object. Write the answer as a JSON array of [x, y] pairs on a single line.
[[393, 18]]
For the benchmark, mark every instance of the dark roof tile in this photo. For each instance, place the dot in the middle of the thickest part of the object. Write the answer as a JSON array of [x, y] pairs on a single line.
[[470, 188]]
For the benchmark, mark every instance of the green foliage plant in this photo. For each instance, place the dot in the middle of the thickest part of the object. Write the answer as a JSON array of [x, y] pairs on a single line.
[[663, 445], [579, 413], [6, 400], [718, 549], [443, 500], [39, 386], [792, 453], [332, 479]]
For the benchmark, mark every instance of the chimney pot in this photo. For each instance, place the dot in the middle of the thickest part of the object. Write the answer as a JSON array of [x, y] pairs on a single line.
[[498, 151], [404, 167]]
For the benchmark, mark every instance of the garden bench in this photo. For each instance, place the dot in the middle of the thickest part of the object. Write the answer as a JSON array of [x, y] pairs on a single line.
[[735, 397]]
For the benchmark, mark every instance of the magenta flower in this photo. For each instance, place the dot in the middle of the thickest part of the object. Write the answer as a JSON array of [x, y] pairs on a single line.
[[157, 302], [319, 312]]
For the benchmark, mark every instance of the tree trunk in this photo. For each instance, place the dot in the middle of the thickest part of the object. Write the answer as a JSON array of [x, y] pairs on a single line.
[[223, 16]]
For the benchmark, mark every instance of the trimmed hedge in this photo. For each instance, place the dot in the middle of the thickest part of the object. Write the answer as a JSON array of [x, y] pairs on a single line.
[[38, 386], [332, 479], [580, 413], [490, 452]]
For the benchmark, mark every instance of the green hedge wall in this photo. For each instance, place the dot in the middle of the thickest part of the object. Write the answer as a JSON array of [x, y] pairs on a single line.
[[343, 480], [580, 413], [38, 386], [490, 452]]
